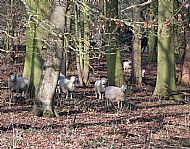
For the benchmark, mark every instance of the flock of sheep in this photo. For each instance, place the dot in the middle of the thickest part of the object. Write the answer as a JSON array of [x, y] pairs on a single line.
[[66, 86]]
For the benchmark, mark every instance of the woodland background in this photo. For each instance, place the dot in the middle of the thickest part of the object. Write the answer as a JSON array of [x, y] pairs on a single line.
[[40, 38]]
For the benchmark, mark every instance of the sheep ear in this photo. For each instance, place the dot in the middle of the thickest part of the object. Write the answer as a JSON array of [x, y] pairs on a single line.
[[12, 77], [11, 73]]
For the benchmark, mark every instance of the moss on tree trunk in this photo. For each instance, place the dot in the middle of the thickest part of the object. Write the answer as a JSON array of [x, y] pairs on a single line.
[[153, 33], [52, 63], [166, 84], [113, 58], [136, 53], [36, 37]]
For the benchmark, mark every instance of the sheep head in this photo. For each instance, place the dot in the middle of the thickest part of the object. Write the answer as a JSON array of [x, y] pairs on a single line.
[[124, 88], [12, 77]]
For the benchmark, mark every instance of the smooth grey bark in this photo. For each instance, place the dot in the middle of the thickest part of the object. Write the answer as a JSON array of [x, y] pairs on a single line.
[[52, 63]]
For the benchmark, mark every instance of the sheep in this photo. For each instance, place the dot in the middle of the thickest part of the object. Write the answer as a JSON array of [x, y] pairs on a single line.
[[61, 76], [58, 89], [18, 84], [68, 85], [113, 93], [100, 86], [143, 73], [127, 66]]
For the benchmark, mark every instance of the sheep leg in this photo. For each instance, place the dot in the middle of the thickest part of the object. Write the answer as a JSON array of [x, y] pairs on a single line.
[[110, 103], [100, 95], [71, 95], [119, 105], [67, 95], [107, 103], [11, 98], [96, 94]]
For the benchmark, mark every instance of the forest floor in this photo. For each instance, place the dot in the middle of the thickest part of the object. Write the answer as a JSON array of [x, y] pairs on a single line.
[[86, 122]]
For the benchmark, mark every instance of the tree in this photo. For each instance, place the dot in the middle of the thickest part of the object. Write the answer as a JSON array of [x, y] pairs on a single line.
[[113, 58], [43, 105], [67, 60], [82, 31], [86, 59], [136, 54], [153, 32], [165, 83], [35, 38], [185, 77]]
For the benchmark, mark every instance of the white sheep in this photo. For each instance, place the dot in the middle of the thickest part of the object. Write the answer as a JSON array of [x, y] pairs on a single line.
[[127, 66], [18, 84], [68, 85], [100, 86], [61, 76], [113, 93], [143, 73], [58, 89]]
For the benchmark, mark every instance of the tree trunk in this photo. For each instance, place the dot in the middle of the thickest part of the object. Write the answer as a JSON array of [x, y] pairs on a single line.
[[86, 45], [153, 33], [67, 59], [52, 65], [113, 58], [136, 54], [185, 77], [82, 29], [34, 45], [165, 84], [78, 45]]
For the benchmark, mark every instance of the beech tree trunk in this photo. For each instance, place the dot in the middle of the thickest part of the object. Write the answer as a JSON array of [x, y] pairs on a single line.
[[153, 33], [35, 35], [185, 76], [113, 58], [52, 63], [78, 45], [86, 60], [165, 83], [136, 53]]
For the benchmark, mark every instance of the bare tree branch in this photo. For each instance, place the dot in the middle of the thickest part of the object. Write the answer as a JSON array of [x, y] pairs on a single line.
[[137, 5]]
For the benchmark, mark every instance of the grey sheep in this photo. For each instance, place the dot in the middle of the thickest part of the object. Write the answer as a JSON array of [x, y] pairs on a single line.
[[68, 85], [18, 84], [100, 86], [113, 93]]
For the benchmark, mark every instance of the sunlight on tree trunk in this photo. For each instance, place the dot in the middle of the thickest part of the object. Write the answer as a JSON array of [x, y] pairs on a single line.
[[78, 45], [86, 44], [52, 64], [82, 30], [34, 45], [113, 58]]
